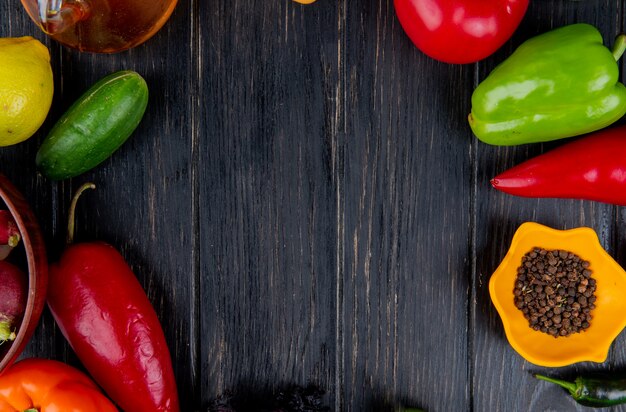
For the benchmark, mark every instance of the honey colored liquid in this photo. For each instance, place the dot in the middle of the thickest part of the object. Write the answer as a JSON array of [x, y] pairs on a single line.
[[109, 26]]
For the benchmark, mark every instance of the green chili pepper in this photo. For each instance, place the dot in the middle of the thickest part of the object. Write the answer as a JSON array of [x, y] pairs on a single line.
[[595, 392], [559, 84]]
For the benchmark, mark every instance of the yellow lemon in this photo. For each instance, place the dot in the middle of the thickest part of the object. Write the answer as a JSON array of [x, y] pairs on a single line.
[[304, 1], [26, 88]]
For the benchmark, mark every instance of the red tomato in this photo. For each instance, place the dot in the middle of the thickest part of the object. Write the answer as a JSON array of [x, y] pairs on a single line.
[[460, 31]]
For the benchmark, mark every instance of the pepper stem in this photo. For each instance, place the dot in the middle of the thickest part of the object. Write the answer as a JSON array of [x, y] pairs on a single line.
[[619, 47], [570, 386], [31, 410], [70, 219]]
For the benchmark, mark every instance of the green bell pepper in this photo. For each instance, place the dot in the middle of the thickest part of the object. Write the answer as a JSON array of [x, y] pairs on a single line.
[[559, 84]]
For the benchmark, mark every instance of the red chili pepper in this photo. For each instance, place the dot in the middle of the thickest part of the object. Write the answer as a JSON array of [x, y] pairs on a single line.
[[592, 168], [460, 31], [108, 320]]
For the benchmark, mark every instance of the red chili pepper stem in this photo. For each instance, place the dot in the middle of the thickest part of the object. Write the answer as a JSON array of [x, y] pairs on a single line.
[[71, 220], [619, 47]]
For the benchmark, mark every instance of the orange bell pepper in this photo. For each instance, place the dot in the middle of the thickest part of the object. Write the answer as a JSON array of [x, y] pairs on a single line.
[[42, 385]]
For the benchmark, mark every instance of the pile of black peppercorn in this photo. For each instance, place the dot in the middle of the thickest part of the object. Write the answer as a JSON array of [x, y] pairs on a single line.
[[555, 291]]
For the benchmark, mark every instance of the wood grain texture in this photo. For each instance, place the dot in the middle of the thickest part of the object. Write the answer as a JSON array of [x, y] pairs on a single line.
[[407, 220], [304, 202], [268, 76], [142, 204]]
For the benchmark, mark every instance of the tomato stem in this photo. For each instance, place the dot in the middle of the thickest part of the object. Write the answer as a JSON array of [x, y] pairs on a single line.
[[619, 47], [71, 220]]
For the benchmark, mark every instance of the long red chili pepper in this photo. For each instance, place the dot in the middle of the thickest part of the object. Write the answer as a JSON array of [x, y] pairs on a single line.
[[592, 168], [108, 320]]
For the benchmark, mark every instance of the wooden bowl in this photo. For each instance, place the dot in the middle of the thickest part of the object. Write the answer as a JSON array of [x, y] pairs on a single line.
[[34, 248]]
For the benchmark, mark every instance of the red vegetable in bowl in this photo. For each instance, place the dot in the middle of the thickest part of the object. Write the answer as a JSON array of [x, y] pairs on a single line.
[[13, 295], [9, 233], [460, 31], [592, 168], [108, 320]]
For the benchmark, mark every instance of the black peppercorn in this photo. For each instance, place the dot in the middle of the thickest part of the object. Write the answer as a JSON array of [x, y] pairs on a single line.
[[555, 291]]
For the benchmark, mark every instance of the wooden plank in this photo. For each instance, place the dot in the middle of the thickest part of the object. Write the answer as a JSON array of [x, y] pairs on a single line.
[[18, 165], [267, 178], [406, 219], [143, 203], [502, 380]]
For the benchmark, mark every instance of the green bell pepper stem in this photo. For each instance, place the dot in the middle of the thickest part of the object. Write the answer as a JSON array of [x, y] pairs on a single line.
[[619, 47]]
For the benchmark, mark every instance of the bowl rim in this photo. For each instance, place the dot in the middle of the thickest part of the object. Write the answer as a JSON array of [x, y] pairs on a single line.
[[37, 263]]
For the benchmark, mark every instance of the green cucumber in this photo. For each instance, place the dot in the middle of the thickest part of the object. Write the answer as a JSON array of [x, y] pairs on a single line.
[[94, 127]]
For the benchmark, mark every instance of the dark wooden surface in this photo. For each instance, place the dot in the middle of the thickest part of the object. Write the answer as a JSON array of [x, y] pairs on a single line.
[[305, 202]]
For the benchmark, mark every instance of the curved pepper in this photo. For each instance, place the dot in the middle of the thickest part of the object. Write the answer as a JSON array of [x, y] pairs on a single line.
[[105, 315], [559, 84], [595, 392], [42, 385], [592, 167]]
